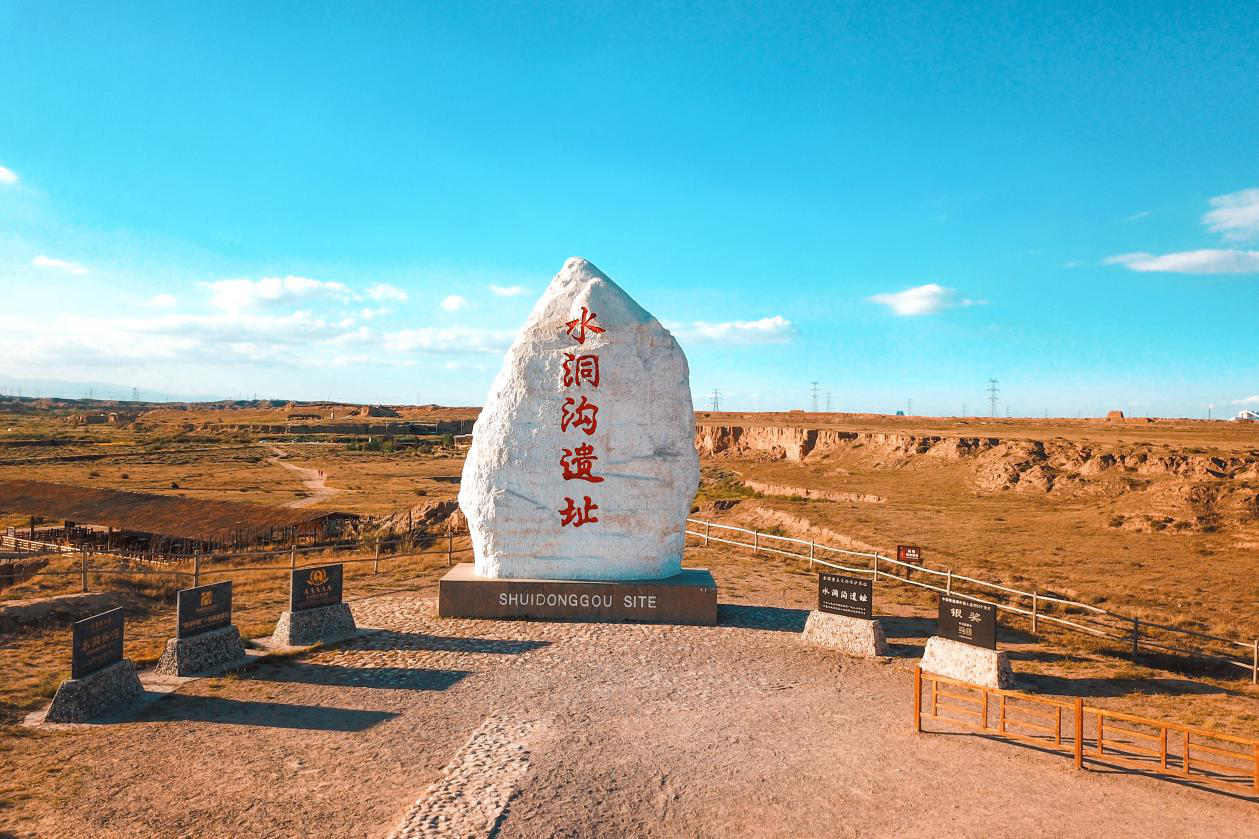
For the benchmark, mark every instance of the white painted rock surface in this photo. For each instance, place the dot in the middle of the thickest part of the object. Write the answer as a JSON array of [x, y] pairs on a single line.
[[853, 636], [966, 663], [526, 480]]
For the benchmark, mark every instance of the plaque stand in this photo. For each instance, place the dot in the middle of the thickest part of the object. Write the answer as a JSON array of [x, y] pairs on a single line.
[[322, 624], [686, 598], [209, 651], [79, 700], [849, 635], [967, 663]]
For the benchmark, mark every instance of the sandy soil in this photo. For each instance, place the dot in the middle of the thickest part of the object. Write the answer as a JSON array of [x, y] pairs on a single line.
[[594, 730]]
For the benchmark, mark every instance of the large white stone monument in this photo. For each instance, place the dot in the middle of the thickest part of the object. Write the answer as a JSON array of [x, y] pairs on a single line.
[[583, 463]]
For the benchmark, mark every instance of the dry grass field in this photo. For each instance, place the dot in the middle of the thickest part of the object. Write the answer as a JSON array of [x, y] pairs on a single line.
[[1157, 519]]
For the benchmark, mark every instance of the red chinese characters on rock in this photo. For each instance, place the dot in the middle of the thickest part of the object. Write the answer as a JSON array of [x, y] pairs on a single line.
[[583, 415], [583, 323], [576, 515], [577, 463], [581, 368]]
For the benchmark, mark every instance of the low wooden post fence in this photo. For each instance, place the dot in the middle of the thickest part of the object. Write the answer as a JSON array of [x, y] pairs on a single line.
[[1118, 738]]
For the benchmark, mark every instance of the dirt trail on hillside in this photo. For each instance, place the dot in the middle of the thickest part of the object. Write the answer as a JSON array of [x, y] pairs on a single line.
[[313, 480]]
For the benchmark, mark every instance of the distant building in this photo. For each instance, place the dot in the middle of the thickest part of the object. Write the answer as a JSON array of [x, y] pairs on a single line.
[[1246, 416], [1114, 416]]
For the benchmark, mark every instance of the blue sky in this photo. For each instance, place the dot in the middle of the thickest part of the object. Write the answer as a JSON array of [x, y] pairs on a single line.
[[895, 200]]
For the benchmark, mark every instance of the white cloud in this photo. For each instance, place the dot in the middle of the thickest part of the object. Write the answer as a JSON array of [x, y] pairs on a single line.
[[922, 300], [1235, 215], [161, 301], [384, 291], [509, 290], [1205, 261], [432, 339], [242, 295], [42, 261], [769, 330], [1138, 216], [1249, 400], [7, 175], [454, 303], [370, 314]]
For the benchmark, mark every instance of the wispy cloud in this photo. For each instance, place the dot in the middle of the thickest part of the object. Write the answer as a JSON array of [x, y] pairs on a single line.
[[922, 300], [1249, 400], [242, 295], [7, 175], [66, 265], [1235, 216], [161, 301], [384, 291], [432, 339], [1207, 261], [454, 303], [1137, 216], [509, 290], [769, 330]]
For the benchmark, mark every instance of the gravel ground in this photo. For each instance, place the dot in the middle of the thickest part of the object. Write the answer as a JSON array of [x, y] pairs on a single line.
[[429, 727]]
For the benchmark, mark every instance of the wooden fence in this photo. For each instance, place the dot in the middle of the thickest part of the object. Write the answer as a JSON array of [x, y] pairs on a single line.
[[1091, 735], [207, 565], [1037, 606]]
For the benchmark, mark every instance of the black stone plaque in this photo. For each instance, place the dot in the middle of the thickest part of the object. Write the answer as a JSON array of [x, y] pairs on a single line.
[[204, 609], [909, 553], [840, 594], [97, 643], [311, 588], [687, 598], [967, 621]]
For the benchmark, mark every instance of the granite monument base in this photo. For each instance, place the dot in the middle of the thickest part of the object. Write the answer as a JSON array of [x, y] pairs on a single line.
[[79, 700], [853, 636], [967, 663], [314, 626], [686, 598], [201, 653]]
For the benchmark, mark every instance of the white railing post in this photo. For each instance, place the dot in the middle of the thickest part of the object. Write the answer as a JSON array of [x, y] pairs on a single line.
[[1254, 664], [707, 527], [948, 582], [1035, 601], [756, 542], [810, 553]]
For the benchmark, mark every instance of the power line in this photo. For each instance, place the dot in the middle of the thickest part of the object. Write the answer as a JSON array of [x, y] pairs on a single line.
[[716, 399], [828, 402], [993, 390], [909, 407], [813, 391]]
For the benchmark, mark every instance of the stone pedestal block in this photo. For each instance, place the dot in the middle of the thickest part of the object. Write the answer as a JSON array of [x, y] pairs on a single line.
[[201, 653], [853, 636], [686, 598], [79, 700], [314, 626], [966, 663]]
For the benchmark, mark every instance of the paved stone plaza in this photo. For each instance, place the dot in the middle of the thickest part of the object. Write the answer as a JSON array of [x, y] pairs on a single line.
[[432, 727]]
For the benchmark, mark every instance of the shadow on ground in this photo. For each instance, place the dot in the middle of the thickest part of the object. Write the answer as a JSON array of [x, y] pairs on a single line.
[[338, 675], [383, 639], [762, 617], [215, 709], [1092, 686]]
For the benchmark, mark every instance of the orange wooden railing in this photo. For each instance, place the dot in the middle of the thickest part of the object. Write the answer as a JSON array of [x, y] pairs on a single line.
[[1154, 746]]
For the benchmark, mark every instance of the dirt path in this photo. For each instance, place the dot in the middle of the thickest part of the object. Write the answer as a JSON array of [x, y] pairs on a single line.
[[314, 480], [522, 729]]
